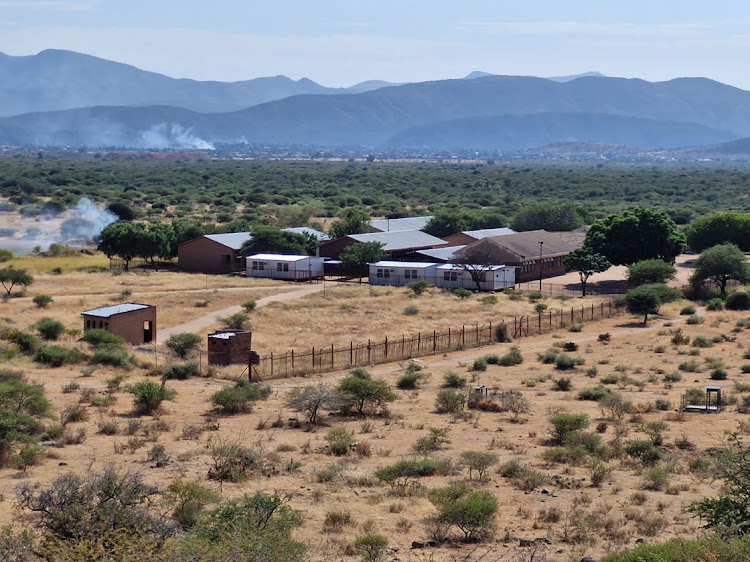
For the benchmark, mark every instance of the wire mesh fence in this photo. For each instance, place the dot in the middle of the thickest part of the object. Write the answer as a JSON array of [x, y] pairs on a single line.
[[404, 347]]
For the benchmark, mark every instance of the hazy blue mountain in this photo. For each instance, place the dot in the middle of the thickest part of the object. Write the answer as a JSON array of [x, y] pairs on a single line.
[[376, 117], [477, 74], [518, 132], [369, 85], [57, 80], [576, 76]]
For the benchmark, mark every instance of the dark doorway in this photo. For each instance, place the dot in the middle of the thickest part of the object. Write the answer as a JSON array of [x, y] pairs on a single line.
[[148, 331]]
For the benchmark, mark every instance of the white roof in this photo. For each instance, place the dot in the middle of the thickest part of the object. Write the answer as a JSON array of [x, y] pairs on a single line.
[[486, 232], [277, 257], [222, 335], [467, 267], [400, 240], [443, 254], [107, 311], [395, 225], [405, 264]]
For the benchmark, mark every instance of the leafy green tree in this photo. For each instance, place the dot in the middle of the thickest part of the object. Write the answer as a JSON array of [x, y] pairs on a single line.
[[636, 235], [10, 277], [272, 240], [721, 264], [353, 221], [313, 398], [6, 255], [719, 228], [42, 301], [479, 462], [156, 242], [122, 239], [49, 328], [237, 321], [647, 299], [550, 217], [646, 272], [586, 262], [357, 257], [371, 547], [123, 212], [472, 512], [363, 390], [729, 513], [189, 497], [445, 224], [184, 343], [148, 396], [185, 230]]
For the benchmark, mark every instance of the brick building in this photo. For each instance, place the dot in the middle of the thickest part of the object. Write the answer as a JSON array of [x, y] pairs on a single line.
[[132, 321]]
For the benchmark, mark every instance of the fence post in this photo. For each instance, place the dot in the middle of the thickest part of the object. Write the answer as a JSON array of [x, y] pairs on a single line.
[[272, 363], [402, 345], [550, 319], [592, 310], [449, 338], [419, 342], [332, 356], [527, 325], [477, 334], [369, 352], [540, 322], [313, 358], [386, 347], [351, 353], [463, 335], [434, 341], [292, 361], [572, 315]]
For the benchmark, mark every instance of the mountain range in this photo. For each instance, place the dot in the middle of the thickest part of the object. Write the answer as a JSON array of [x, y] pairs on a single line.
[[60, 98]]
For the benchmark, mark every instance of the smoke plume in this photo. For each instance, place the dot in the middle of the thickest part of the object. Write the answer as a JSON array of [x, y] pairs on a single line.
[[174, 136]]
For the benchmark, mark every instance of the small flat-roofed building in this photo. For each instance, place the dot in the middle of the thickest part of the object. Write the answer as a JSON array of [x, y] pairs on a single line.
[[400, 273], [469, 236], [132, 321], [230, 347], [490, 277], [279, 266]]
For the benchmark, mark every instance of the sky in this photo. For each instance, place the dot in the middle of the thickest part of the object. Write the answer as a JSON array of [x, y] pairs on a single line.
[[342, 42]]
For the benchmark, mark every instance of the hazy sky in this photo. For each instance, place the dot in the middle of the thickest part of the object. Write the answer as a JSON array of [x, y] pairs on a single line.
[[341, 42]]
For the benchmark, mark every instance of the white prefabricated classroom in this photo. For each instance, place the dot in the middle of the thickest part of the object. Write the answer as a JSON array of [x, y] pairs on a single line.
[[279, 266], [400, 273], [492, 277]]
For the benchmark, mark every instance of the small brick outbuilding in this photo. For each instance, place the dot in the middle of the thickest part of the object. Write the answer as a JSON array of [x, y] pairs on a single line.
[[132, 321], [230, 347]]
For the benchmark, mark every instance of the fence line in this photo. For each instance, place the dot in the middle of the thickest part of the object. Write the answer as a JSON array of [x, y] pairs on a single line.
[[560, 290], [331, 358]]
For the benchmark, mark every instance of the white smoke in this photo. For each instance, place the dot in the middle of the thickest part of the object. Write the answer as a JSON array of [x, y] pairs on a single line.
[[174, 136], [85, 220]]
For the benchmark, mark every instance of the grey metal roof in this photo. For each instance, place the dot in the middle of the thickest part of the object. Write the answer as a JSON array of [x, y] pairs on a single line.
[[486, 232], [400, 240], [233, 240], [526, 245], [441, 254], [397, 225], [107, 311], [404, 264], [307, 230]]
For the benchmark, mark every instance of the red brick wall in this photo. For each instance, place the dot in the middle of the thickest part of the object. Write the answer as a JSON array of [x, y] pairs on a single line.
[[203, 255], [128, 325]]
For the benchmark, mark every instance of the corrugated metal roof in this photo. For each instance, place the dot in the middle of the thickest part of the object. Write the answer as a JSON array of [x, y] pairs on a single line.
[[398, 225], [233, 240], [451, 266], [404, 264], [441, 254], [486, 232], [526, 244], [222, 335], [401, 240], [107, 311], [277, 257], [306, 230]]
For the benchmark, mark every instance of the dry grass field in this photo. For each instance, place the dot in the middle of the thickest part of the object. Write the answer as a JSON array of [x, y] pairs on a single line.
[[564, 502]]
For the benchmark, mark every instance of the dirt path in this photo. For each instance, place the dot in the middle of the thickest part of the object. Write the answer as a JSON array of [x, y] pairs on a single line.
[[197, 324]]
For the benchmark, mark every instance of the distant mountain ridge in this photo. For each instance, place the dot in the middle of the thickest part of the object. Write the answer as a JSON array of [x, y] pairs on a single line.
[[488, 112], [55, 80]]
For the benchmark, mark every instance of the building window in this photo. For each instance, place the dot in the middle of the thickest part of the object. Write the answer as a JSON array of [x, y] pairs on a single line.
[[414, 274], [282, 267], [387, 273], [379, 274], [407, 273], [258, 266]]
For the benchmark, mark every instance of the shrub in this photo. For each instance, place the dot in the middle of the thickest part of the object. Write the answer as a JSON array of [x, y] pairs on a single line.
[[371, 547], [650, 271], [513, 357], [49, 329], [249, 306], [714, 305], [701, 341], [595, 394], [491, 359], [239, 398], [433, 441], [687, 310], [56, 356], [402, 475], [411, 310], [563, 384], [42, 301], [472, 512], [181, 371], [695, 319], [182, 344], [339, 441], [689, 366], [549, 356], [488, 299], [418, 287], [501, 333], [27, 343], [98, 337], [480, 364], [111, 355], [604, 337], [479, 462], [188, 499], [237, 321], [148, 396], [719, 375], [564, 362], [644, 451], [570, 346], [662, 404], [410, 380], [672, 377], [738, 301], [462, 293], [655, 479], [450, 401], [454, 380], [564, 425]]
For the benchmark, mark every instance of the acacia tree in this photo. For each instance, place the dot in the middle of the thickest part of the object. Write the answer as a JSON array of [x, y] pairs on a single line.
[[551, 217], [357, 257], [636, 235], [269, 239], [122, 239], [362, 389], [650, 271], [353, 221], [586, 262], [10, 277], [721, 264], [647, 299], [312, 398]]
